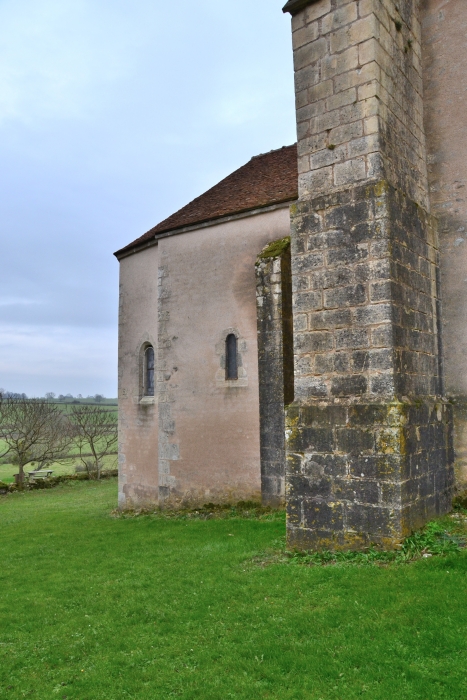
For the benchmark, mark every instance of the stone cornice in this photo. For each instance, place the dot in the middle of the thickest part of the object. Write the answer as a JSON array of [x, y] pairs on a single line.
[[294, 6]]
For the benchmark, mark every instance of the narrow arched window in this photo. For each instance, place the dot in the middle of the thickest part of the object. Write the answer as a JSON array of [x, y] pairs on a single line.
[[149, 371], [231, 371]]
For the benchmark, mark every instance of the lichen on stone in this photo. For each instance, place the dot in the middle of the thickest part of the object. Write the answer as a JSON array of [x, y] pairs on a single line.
[[274, 249]]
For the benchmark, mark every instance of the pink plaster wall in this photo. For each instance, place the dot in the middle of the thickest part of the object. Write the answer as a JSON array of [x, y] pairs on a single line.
[[205, 429], [444, 41], [209, 288], [138, 431]]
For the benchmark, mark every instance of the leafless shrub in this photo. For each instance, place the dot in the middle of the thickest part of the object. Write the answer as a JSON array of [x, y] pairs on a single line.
[[34, 431], [95, 434]]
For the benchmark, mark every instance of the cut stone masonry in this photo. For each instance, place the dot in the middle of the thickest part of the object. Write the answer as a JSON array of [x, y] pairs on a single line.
[[369, 436], [359, 93], [275, 363]]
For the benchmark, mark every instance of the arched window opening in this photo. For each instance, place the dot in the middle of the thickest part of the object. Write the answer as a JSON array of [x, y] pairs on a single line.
[[231, 364], [149, 371]]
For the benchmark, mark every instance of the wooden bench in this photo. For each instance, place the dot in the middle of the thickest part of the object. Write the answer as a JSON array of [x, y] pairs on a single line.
[[40, 474]]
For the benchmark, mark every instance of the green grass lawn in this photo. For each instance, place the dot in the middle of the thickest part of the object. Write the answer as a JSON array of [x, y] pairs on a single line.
[[8, 470], [95, 607]]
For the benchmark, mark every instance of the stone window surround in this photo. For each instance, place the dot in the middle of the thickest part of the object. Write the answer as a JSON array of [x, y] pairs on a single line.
[[143, 399], [242, 380]]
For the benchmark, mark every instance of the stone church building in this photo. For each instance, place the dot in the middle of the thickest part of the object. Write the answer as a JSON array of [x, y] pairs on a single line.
[[298, 333]]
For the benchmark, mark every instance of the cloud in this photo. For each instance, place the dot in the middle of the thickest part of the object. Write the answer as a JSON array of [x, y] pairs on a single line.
[[13, 301], [113, 115], [56, 55], [76, 360]]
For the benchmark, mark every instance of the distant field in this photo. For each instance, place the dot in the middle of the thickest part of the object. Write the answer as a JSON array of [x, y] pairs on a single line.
[[110, 404], [7, 470]]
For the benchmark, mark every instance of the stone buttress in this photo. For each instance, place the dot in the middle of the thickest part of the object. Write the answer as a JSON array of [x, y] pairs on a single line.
[[275, 363], [369, 446]]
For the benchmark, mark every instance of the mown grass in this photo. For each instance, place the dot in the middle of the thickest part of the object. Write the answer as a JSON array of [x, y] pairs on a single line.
[[97, 607], [67, 466]]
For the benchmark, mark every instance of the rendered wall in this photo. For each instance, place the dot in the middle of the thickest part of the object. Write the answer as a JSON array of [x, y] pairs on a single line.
[[209, 427], [138, 422], [444, 41]]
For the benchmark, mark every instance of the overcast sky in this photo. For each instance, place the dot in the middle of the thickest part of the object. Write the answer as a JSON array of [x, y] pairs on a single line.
[[113, 115]]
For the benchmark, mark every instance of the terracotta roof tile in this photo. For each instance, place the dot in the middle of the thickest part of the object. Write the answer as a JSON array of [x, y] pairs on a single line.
[[267, 179]]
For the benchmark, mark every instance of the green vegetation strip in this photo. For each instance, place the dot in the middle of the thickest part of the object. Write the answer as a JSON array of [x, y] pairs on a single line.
[[209, 605]]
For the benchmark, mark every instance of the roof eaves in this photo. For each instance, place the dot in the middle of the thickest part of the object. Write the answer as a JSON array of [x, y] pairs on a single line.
[[294, 6], [131, 250]]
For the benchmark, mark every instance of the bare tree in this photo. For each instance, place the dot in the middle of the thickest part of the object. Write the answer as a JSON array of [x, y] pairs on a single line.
[[34, 431], [96, 437]]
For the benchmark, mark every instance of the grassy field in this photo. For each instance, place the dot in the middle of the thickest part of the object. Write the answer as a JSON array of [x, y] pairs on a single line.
[[94, 607], [8, 470]]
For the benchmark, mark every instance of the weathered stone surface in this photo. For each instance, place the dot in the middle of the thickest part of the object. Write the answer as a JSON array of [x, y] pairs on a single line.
[[359, 95], [275, 361], [444, 27], [382, 299], [366, 285], [377, 472]]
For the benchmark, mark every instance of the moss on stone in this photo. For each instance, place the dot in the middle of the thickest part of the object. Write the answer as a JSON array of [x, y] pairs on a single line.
[[274, 249]]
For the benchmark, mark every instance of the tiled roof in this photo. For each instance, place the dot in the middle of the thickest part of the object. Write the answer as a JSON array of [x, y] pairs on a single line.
[[267, 179]]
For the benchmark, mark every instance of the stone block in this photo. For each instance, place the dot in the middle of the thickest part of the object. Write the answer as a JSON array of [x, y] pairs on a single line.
[[351, 254], [363, 146], [336, 64], [351, 295], [353, 78], [364, 29], [311, 440], [327, 320], [356, 491], [324, 363], [307, 262], [317, 10], [349, 172], [304, 35], [318, 486], [347, 215], [314, 341], [306, 387], [306, 77], [309, 53], [341, 99], [346, 133], [315, 464], [307, 301], [314, 182], [321, 91], [339, 18], [372, 520], [323, 516], [349, 385], [350, 338], [327, 157]]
